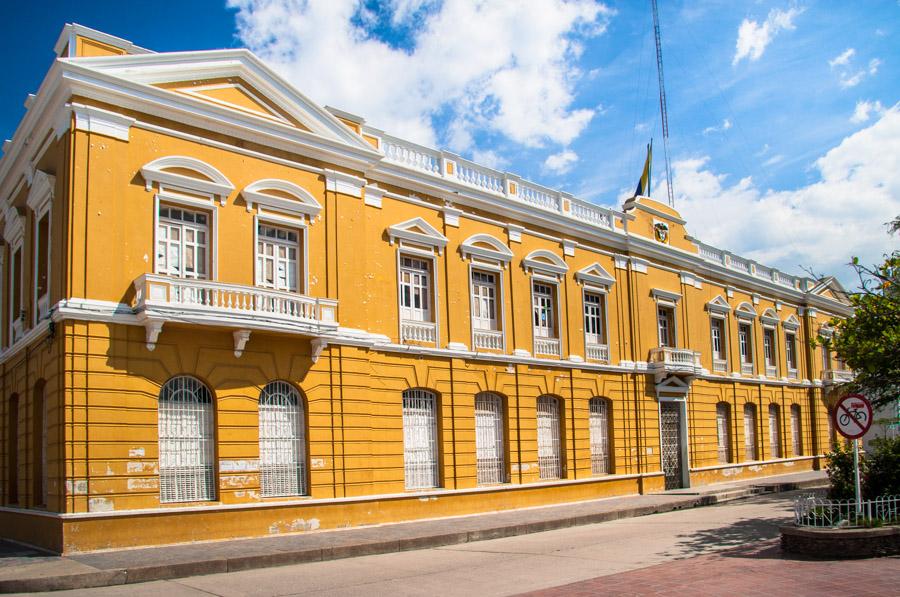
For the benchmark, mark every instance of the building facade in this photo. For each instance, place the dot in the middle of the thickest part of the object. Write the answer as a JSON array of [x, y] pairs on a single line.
[[230, 312]]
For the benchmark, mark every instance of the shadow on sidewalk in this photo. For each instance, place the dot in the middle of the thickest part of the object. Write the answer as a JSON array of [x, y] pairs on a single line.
[[740, 539], [14, 554]]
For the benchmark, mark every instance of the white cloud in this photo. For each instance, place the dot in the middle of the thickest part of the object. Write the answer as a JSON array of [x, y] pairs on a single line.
[[847, 80], [490, 158], [562, 162], [775, 159], [865, 109], [726, 124], [822, 224], [753, 37], [843, 58], [481, 66], [874, 63]]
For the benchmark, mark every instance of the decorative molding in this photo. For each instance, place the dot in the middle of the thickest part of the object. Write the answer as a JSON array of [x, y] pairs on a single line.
[[745, 311], [791, 323], [545, 261], [240, 341], [755, 298], [639, 265], [426, 235], [665, 295], [317, 345], [303, 202], [595, 274], [40, 195], [457, 346], [102, 122], [621, 262], [690, 279], [216, 184], [515, 233], [451, 216], [346, 184], [152, 328], [498, 251], [769, 317], [569, 247], [718, 305], [374, 195], [14, 226]]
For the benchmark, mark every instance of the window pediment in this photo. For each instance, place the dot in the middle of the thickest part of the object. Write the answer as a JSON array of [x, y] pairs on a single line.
[[189, 174], [718, 305], [665, 296], [544, 261], [41, 192], [417, 231], [745, 311], [486, 247], [791, 323], [281, 195], [595, 274], [769, 317], [14, 226]]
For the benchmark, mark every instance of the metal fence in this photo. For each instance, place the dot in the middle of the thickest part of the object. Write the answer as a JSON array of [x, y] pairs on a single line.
[[810, 511]]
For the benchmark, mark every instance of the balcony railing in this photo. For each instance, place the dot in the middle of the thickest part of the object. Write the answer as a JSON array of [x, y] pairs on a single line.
[[771, 371], [488, 339], [547, 346], [792, 374], [674, 360], [598, 352], [720, 365], [18, 327], [835, 376], [747, 368], [230, 304], [418, 331]]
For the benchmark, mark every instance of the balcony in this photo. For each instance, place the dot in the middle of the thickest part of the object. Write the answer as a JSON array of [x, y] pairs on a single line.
[[665, 361], [488, 339], [836, 376], [771, 371], [418, 331], [547, 347], [598, 352], [747, 368], [160, 299], [720, 365]]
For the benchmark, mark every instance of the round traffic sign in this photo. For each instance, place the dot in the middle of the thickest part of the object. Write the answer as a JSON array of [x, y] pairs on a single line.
[[852, 416]]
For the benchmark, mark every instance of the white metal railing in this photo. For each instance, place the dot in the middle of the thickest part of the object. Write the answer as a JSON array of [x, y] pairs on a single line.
[[598, 352], [675, 357], [156, 291], [747, 368], [412, 155], [489, 339], [785, 279], [810, 511], [418, 331], [837, 376], [548, 346], [588, 212]]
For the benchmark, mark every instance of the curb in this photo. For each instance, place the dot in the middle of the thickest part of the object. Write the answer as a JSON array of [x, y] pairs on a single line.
[[138, 574]]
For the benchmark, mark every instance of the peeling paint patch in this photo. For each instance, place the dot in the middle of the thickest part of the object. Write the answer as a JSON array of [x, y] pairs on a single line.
[[142, 467], [428, 498], [317, 463], [731, 472], [294, 526], [788, 464], [755, 468], [100, 505], [238, 466], [136, 453], [76, 487], [144, 483], [241, 481]]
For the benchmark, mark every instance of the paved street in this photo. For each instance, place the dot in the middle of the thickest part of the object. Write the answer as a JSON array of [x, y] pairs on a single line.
[[705, 549]]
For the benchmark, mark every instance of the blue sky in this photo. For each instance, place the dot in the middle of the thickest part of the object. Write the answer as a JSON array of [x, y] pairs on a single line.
[[783, 119]]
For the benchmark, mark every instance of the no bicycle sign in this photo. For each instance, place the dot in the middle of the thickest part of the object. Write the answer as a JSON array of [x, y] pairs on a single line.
[[852, 416]]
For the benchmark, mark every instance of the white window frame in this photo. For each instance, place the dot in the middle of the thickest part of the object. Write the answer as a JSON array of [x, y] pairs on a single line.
[[16, 286], [209, 241], [790, 353], [664, 299], [719, 322], [603, 317], [40, 201], [747, 357], [282, 441], [553, 285], [771, 367], [429, 314], [291, 224], [490, 439], [487, 254], [193, 481], [420, 473], [751, 441], [549, 438], [600, 430], [496, 323]]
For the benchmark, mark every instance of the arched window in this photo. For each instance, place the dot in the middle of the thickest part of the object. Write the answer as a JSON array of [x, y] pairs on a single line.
[[750, 452], [39, 443], [186, 441], [420, 456], [282, 441], [723, 426], [12, 450], [549, 461], [796, 435], [774, 431], [599, 430], [489, 445]]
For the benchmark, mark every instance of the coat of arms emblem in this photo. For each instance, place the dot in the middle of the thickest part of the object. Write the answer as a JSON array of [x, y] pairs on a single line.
[[661, 230]]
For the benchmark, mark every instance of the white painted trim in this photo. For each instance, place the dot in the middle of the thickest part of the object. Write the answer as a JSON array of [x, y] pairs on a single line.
[[374, 195], [718, 305], [346, 184], [304, 203], [542, 260], [217, 185], [663, 296], [102, 122], [500, 252], [595, 274], [430, 236]]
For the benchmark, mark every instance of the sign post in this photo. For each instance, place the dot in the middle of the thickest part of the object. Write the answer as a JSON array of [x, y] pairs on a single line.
[[852, 418]]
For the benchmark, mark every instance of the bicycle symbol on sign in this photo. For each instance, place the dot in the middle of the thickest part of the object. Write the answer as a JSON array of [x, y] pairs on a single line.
[[857, 413]]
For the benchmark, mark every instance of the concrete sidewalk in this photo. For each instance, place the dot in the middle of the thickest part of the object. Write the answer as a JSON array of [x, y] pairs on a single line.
[[24, 569]]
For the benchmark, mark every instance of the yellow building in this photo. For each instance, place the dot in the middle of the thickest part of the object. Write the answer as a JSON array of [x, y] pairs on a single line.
[[230, 312]]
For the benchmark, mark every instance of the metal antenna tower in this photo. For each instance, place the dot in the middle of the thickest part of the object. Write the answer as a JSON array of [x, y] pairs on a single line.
[[662, 104]]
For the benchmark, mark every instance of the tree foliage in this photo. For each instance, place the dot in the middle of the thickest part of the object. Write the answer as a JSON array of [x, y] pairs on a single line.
[[869, 340]]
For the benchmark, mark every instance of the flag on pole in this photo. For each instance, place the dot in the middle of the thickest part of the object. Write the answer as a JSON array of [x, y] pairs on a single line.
[[643, 187]]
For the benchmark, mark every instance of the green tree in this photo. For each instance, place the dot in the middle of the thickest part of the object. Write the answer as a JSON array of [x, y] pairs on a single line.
[[869, 340]]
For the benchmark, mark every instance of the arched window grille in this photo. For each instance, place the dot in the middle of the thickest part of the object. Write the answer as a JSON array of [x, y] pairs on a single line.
[[723, 424], [282, 441], [489, 446], [599, 431], [750, 432], [774, 432], [549, 462], [796, 435], [186, 441], [420, 462]]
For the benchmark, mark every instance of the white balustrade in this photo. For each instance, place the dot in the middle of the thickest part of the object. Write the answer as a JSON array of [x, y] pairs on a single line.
[[740, 264], [418, 331], [488, 339], [590, 213], [227, 300], [547, 346], [479, 176], [711, 253], [537, 196], [837, 376], [720, 365], [784, 279], [598, 352], [412, 155], [747, 368]]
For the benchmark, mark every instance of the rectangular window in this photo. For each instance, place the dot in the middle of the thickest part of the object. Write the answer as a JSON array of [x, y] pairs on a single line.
[[15, 294], [549, 460], [182, 243], [719, 350], [42, 267], [594, 318], [419, 440], [724, 443], [415, 289], [796, 438], [750, 432], [745, 342], [484, 300], [665, 317], [277, 251], [790, 352], [599, 436], [489, 446], [774, 432], [544, 310], [769, 347]]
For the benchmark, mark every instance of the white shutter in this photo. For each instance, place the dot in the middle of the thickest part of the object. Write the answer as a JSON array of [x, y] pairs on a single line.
[[186, 441], [282, 441], [489, 445], [419, 440]]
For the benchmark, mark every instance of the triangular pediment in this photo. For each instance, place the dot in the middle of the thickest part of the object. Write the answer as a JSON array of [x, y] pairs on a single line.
[[718, 305], [418, 231], [230, 83], [673, 385], [830, 288], [596, 274]]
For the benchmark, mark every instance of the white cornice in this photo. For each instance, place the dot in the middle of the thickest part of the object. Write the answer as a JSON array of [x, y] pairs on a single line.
[[102, 122]]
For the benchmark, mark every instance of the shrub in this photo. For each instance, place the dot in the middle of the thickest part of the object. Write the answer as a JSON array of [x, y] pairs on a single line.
[[839, 464], [882, 473]]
